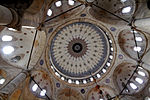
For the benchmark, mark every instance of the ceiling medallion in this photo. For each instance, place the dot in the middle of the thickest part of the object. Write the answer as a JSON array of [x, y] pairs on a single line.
[[80, 51]]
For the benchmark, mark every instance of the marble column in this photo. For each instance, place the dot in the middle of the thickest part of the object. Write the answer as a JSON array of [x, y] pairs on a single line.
[[9, 88]]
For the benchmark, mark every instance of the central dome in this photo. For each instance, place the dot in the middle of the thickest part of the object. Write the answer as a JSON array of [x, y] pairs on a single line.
[[79, 50]]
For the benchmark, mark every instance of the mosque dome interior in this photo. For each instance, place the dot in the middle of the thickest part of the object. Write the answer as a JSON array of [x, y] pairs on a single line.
[[74, 50]]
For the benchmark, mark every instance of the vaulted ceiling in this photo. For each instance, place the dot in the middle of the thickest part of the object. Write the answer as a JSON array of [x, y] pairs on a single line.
[[76, 50]]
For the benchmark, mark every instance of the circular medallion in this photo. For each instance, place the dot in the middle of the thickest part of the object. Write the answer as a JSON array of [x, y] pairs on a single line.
[[79, 50]]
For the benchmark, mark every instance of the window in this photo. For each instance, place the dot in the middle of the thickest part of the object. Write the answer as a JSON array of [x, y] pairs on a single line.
[[62, 78], [7, 38], [77, 82], [137, 49], [147, 98], [123, 0], [2, 80], [12, 29], [57, 74], [139, 39], [133, 86], [141, 73], [126, 10], [101, 99], [49, 12], [111, 57], [139, 80], [35, 87], [111, 49], [58, 3], [108, 64], [8, 50], [69, 81], [36, 90], [104, 70], [98, 75], [71, 2], [2, 77], [43, 92], [90, 1], [91, 79], [134, 31], [84, 81], [30, 27], [126, 90]]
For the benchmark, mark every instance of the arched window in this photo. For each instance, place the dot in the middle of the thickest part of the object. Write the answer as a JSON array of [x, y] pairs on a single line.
[[3, 76], [2, 80], [40, 84], [137, 82]]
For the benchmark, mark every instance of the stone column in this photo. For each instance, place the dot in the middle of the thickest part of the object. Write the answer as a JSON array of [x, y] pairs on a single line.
[[9, 88], [6, 16]]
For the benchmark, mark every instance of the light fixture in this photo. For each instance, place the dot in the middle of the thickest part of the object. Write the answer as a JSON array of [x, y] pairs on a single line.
[[71, 2], [139, 80], [34, 88], [49, 12], [7, 38], [133, 86], [138, 49], [8, 50], [126, 10], [58, 3], [2, 81], [43, 92]]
